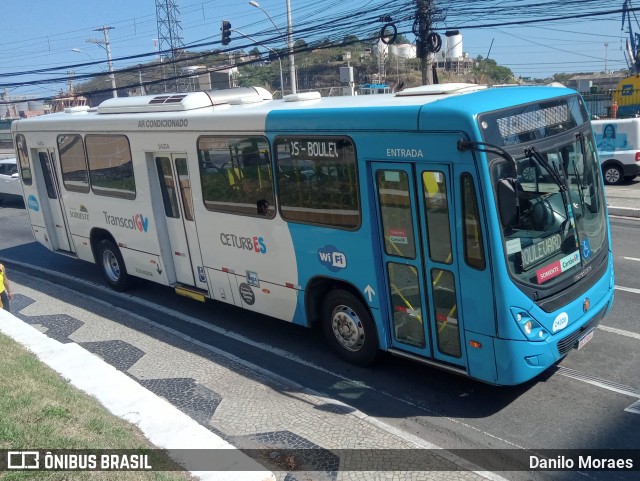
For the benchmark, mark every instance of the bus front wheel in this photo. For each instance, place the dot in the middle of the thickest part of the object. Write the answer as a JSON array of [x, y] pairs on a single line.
[[112, 264], [349, 328]]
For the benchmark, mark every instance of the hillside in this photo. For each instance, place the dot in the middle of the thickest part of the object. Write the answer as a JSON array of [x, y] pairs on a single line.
[[317, 69]]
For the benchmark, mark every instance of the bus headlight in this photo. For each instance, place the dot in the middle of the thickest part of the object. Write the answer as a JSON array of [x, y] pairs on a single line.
[[531, 328]]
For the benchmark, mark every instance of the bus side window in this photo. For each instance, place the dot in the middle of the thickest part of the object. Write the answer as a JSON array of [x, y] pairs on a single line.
[[110, 165], [73, 163], [23, 159], [318, 180], [234, 175], [473, 245]]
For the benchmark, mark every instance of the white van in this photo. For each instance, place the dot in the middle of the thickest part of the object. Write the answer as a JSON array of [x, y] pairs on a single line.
[[9, 178], [618, 144]]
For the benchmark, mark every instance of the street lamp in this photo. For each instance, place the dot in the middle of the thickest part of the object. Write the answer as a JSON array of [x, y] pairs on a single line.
[[272, 50], [289, 40], [77, 50]]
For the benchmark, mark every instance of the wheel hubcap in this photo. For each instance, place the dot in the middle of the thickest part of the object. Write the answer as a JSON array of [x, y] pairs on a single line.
[[111, 266], [612, 175], [347, 328]]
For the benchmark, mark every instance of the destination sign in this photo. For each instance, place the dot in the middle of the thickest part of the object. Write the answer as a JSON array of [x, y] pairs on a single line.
[[323, 148], [534, 253], [315, 148], [535, 119]]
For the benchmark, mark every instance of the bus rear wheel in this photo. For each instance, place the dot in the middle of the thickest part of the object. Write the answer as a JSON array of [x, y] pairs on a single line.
[[349, 328], [112, 264]]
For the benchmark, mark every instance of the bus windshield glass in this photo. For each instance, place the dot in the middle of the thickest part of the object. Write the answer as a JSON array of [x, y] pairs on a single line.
[[550, 199]]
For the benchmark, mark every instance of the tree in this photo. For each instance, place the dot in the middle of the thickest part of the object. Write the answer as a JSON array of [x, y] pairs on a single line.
[[489, 71], [350, 39]]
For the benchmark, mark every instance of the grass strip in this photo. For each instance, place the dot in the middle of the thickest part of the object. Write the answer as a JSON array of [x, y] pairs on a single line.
[[41, 410]]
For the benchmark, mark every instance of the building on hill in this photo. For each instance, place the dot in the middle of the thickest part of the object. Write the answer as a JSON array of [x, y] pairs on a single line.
[[596, 82]]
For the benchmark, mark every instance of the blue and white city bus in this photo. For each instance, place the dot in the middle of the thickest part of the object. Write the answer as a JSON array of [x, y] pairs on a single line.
[[457, 225]]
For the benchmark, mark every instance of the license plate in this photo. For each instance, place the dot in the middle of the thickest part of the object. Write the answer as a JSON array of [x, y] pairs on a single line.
[[586, 338]]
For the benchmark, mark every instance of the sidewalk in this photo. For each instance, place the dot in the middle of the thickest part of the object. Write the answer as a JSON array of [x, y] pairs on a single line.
[[186, 394], [161, 422], [623, 200]]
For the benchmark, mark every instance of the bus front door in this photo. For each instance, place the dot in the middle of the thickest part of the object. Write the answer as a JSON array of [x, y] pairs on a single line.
[[415, 213], [59, 230], [175, 186]]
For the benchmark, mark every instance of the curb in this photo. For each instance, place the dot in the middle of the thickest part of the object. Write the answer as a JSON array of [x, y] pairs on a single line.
[[624, 211], [163, 424]]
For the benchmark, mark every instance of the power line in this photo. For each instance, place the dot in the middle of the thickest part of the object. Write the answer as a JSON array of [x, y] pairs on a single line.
[[360, 20]]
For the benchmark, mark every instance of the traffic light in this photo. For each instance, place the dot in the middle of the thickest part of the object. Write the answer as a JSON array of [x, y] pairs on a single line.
[[226, 32]]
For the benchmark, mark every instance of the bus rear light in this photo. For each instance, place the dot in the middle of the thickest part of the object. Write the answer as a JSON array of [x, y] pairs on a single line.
[[475, 344], [637, 156]]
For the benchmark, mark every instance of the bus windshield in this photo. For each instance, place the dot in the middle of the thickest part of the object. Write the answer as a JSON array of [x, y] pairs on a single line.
[[557, 224]]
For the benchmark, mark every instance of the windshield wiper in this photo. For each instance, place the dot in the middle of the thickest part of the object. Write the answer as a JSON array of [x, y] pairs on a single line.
[[553, 170], [583, 151], [489, 149], [581, 186], [569, 221]]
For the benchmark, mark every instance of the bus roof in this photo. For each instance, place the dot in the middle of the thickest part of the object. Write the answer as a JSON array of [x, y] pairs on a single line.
[[253, 109]]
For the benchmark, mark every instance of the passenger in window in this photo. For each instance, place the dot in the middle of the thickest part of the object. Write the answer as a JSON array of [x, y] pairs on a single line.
[[263, 207]]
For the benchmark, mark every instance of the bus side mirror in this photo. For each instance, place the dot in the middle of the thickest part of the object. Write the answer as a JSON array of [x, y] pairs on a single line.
[[508, 202]]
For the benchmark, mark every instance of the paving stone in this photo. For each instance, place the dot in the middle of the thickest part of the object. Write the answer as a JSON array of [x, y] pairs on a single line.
[[246, 407]]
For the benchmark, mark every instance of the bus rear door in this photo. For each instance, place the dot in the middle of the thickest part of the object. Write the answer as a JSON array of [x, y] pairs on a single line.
[[175, 186], [415, 209], [59, 230]]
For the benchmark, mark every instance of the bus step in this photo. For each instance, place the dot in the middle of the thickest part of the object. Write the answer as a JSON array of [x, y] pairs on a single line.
[[67, 253], [431, 362], [191, 292]]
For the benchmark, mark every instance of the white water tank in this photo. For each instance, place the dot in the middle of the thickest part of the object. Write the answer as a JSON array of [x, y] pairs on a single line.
[[35, 105], [380, 48], [406, 50], [453, 45]]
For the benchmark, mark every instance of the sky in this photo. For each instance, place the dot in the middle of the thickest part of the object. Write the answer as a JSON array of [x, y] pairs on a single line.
[[42, 34]]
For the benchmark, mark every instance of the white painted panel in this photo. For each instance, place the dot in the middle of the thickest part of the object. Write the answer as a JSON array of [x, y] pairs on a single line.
[[83, 248], [144, 265], [266, 298], [220, 288]]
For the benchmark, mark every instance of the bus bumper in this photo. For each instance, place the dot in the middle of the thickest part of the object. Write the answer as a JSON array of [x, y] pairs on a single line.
[[520, 361]]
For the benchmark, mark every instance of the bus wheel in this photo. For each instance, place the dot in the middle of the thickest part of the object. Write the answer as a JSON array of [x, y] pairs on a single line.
[[349, 328], [113, 268]]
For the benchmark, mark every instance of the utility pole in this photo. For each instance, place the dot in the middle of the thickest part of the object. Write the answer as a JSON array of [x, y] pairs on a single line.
[[105, 44], [606, 54], [142, 89], [292, 66], [423, 15]]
